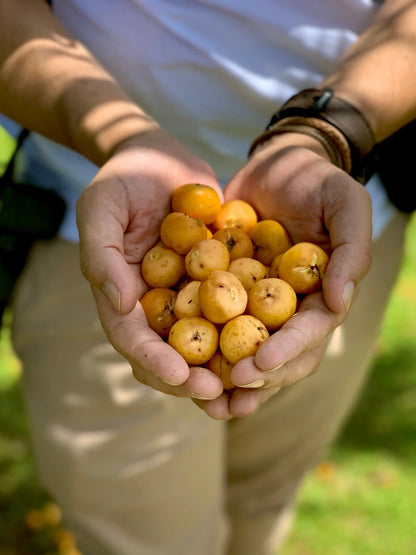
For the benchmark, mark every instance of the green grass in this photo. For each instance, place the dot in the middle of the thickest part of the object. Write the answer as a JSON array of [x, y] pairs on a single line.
[[360, 501]]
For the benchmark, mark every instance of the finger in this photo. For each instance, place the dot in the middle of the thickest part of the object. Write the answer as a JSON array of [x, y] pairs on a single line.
[[246, 375], [198, 386], [131, 336], [348, 221], [202, 384], [102, 221], [244, 403], [298, 369], [303, 331], [218, 408]]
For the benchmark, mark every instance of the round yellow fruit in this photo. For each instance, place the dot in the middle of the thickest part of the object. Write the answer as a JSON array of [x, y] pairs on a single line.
[[241, 337], [222, 297], [196, 339], [273, 301]]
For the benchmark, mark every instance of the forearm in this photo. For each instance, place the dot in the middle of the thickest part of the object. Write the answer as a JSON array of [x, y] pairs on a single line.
[[378, 73], [50, 83]]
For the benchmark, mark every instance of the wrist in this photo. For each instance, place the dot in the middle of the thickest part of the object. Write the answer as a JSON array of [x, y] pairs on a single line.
[[288, 139], [313, 133], [341, 128]]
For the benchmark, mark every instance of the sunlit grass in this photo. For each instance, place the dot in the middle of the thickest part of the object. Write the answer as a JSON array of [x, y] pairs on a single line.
[[366, 506], [362, 499]]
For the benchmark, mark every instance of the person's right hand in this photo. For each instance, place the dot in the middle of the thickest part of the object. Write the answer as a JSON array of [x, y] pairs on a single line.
[[119, 217]]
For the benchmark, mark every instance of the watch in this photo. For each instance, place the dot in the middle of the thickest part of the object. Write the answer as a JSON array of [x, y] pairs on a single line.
[[316, 104]]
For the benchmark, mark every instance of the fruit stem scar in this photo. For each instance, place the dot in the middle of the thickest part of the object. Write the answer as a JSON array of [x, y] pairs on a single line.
[[231, 243], [317, 269]]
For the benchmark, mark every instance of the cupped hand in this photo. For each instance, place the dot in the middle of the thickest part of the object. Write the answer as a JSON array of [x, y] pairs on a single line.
[[119, 217], [319, 203]]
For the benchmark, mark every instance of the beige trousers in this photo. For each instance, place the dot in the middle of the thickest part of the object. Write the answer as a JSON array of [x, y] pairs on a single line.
[[137, 472]]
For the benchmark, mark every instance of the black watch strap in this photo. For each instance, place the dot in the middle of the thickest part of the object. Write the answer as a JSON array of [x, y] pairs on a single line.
[[323, 104]]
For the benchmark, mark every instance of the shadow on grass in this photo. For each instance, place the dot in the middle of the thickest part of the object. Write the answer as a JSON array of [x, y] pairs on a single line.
[[385, 415]]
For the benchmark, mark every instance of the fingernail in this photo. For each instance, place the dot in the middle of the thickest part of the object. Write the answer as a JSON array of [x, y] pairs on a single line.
[[256, 383], [168, 382], [347, 294], [276, 367], [113, 294], [200, 397]]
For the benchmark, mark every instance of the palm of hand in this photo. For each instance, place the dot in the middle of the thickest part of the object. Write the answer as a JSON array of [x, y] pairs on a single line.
[[119, 217], [315, 202]]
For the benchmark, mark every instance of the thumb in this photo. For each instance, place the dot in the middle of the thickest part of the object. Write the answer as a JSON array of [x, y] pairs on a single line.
[[101, 224], [350, 230]]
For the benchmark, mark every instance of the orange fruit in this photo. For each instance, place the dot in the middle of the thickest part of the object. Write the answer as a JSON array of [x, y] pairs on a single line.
[[64, 540], [158, 305], [236, 213], [237, 241], [248, 271], [269, 238], [180, 232], [197, 200], [241, 337], [35, 519], [162, 267], [222, 368], [196, 339], [206, 257], [187, 302], [222, 296], [273, 301], [52, 514], [304, 266], [274, 266]]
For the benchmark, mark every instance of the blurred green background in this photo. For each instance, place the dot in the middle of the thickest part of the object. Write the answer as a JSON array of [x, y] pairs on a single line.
[[360, 500]]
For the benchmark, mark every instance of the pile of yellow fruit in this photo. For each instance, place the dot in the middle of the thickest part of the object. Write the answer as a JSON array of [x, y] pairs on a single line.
[[221, 279]]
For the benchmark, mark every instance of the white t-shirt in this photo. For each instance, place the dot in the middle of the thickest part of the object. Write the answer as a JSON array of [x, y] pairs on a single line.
[[211, 72]]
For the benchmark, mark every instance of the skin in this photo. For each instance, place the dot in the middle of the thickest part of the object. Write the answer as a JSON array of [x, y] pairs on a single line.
[[51, 84]]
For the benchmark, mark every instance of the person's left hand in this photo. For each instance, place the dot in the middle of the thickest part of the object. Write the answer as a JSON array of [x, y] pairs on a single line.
[[319, 203]]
